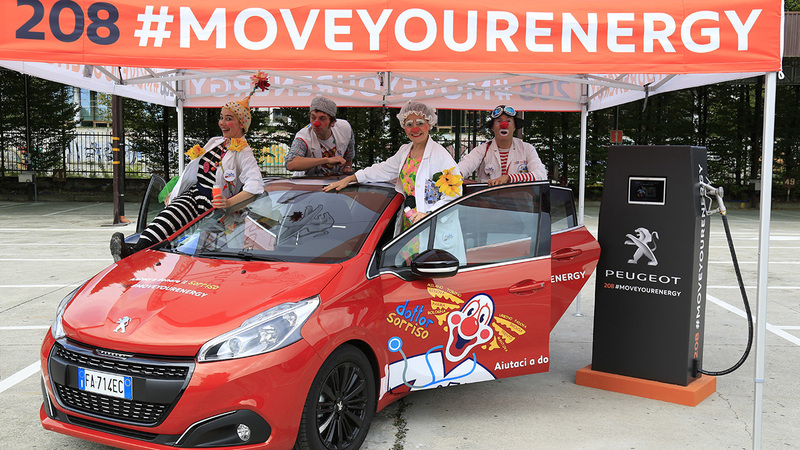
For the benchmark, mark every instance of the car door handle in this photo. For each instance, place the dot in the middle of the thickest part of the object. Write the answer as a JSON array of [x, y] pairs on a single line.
[[566, 253], [526, 286]]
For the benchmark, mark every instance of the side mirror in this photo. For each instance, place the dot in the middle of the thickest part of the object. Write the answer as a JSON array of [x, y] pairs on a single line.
[[434, 264]]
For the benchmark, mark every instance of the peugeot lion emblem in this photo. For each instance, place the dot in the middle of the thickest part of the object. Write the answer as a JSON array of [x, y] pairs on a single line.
[[121, 324], [642, 242]]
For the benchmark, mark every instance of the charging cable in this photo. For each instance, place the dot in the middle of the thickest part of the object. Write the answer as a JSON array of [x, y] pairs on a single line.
[[709, 190]]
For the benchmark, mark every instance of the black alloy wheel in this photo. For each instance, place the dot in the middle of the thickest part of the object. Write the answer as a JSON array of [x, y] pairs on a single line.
[[341, 403]]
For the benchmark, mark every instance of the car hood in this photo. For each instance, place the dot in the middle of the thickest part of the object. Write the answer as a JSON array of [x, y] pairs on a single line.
[[167, 304]]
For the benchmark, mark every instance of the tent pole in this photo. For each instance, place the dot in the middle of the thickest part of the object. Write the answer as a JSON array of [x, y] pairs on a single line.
[[118, 162], [581, 187], [763, 251], [179, 108], [582, 169]]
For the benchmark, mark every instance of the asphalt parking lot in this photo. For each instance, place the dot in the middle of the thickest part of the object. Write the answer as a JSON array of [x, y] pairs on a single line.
[[48, 248]]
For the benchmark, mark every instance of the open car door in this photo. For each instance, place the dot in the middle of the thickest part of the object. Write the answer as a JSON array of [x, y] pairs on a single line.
[[574, 252], [467, 291], [149, 208]]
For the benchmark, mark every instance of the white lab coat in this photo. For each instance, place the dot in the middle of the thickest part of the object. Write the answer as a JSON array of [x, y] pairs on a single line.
[[342, 135], [485, 158], [435, 159], [241, 166]]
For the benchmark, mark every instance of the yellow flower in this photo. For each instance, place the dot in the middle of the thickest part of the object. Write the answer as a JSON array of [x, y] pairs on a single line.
[[449, 183], [237, 144], [195, 152]]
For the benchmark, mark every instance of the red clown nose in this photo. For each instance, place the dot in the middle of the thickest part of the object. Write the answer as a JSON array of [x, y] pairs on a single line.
[[504, 124], [317, 124], [415, 130]]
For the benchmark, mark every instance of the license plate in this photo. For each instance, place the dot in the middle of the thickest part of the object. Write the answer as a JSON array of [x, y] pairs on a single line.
[[119, 386]]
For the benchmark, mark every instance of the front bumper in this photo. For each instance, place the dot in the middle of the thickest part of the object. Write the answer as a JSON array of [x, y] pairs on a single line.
[[177, 402]]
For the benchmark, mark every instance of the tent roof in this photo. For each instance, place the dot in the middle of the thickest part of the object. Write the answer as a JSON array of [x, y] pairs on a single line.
[[527, 92], [459, 54]]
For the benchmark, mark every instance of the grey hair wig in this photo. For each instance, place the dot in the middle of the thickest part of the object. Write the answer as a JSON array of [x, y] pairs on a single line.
[[419, 108]]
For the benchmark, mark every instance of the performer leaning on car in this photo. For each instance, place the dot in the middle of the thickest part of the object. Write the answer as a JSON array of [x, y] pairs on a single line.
[[422, 168], [426, 174], [326, 146], [226, 161], [504, 159]]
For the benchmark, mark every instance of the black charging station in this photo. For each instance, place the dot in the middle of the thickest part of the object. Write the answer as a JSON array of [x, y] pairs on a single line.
[[650, 294]]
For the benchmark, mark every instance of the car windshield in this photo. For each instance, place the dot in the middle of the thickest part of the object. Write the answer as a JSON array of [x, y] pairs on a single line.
[[292, 221]]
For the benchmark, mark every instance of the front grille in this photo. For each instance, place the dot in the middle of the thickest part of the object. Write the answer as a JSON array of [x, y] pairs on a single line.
[[144, 370], [157, 384], [110, 407]]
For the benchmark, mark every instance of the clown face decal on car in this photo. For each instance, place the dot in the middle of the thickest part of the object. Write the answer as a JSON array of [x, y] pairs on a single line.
[[469, 327]]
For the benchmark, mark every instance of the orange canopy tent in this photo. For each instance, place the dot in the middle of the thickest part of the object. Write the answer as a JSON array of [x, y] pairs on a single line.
[[572, 55]]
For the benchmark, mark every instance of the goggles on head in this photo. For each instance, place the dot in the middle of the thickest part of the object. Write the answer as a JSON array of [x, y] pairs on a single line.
[[503, 109]]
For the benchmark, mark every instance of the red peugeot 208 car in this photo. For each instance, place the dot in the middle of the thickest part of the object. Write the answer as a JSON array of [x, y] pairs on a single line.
[[289, 320]]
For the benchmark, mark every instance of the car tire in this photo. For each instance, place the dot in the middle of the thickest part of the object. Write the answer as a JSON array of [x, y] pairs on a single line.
[[340, 404]]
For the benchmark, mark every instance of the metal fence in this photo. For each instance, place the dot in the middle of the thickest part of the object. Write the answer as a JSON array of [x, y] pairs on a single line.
[[89, 155]]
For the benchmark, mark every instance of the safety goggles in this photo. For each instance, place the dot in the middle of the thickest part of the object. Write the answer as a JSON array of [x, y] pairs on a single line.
[[411, 123], [503, 109]]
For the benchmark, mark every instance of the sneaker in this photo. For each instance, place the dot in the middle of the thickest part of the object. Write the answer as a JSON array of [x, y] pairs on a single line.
[[118, 247]]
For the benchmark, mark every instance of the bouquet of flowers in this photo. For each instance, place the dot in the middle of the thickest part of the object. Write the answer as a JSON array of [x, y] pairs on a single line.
[[448, 182]]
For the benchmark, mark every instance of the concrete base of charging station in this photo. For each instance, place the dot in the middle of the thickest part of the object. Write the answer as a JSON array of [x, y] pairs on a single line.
[[691, 395]]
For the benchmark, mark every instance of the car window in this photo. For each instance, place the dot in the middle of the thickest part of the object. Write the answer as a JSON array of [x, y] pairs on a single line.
[[493, 225], [289, 222], [562, 209]]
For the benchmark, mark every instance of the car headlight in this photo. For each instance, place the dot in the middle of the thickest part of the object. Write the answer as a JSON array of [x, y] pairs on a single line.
[[270, 330], [57, 329]]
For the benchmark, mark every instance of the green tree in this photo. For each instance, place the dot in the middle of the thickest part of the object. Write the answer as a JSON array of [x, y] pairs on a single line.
[[50, 124], [787, 142]]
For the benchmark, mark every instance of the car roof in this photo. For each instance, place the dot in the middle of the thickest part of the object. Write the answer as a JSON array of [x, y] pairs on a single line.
[[321, 181]]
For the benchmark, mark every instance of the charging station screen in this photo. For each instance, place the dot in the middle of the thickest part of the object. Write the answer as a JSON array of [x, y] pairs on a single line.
[[647, 190]]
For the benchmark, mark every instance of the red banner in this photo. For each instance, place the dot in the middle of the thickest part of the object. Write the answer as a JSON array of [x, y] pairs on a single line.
[[569, 36]]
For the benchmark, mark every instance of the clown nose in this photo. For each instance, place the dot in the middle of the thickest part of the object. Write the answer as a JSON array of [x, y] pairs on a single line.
[[504, 124], [415, 130], [317, 124]]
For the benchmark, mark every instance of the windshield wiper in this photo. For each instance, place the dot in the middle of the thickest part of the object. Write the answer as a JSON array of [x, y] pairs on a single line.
[[241, 254]]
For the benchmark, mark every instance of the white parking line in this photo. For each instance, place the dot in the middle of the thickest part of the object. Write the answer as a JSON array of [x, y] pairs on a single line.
[[25, 327], [734, 286], [741, 247], [771, 238], [12, 286], [19, 376], [62, 244], [64, 230], [68, 210], [778, 331], [54, 259], [755, 262]]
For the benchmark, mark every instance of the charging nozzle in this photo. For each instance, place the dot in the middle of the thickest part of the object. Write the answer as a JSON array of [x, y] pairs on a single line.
[[718, 192]]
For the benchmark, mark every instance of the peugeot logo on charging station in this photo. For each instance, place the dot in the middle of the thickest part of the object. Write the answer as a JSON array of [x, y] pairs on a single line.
[[642, 242], [645, 242]]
